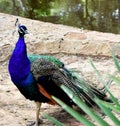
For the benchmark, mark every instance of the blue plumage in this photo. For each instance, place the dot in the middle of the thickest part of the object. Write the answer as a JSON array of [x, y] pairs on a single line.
[[19, 69], [19, 64]]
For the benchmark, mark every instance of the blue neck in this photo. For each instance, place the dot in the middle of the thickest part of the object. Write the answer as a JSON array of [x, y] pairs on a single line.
[[19, 64]]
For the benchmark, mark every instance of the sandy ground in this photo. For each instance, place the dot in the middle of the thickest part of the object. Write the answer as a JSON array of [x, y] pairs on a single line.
[[15, 110]]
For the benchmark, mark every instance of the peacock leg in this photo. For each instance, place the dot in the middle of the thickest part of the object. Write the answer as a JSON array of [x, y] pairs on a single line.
[[38, 105]]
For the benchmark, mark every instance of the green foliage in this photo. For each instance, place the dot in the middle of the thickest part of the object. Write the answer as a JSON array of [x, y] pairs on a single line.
[[84, 107], [100, 15], [100, 77], [38, 8], [53, 120], [74, 113], [116, 62], [5, 6], [107, 111]]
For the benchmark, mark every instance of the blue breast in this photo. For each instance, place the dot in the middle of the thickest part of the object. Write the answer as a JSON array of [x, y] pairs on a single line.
[[19, 64]]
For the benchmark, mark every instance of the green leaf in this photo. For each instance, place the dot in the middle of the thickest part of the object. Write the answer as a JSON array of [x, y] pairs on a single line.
[[53, 120], [74, 113], [116, 79], [110, 105], [108, 112], [99, 75], [84, 107], [116, 61]]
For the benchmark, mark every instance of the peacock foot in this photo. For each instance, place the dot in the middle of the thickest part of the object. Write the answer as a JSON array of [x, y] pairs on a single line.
[[33, 123]]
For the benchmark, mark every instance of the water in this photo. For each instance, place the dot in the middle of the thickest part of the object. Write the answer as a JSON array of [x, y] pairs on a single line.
[[99, 15]]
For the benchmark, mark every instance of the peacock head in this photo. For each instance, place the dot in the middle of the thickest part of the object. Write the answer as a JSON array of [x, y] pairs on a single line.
[[22, 30]]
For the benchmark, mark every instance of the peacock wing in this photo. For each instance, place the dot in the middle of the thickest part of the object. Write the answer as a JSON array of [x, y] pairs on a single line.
[[51, 77]]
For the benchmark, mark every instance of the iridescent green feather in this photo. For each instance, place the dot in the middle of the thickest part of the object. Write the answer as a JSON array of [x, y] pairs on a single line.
[[52, 59]]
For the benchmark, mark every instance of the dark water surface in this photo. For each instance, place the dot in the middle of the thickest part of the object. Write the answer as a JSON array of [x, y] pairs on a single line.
[[99, 15]]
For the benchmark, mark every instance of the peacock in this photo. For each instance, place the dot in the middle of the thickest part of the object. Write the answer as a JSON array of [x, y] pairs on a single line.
[[39, 77]]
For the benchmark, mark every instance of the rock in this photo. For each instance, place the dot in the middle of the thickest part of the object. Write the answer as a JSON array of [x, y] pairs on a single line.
[[5, 52], [75, 36], [48, 38]]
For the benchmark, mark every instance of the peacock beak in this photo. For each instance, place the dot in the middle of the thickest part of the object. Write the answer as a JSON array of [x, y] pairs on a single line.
[[26, 32]]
